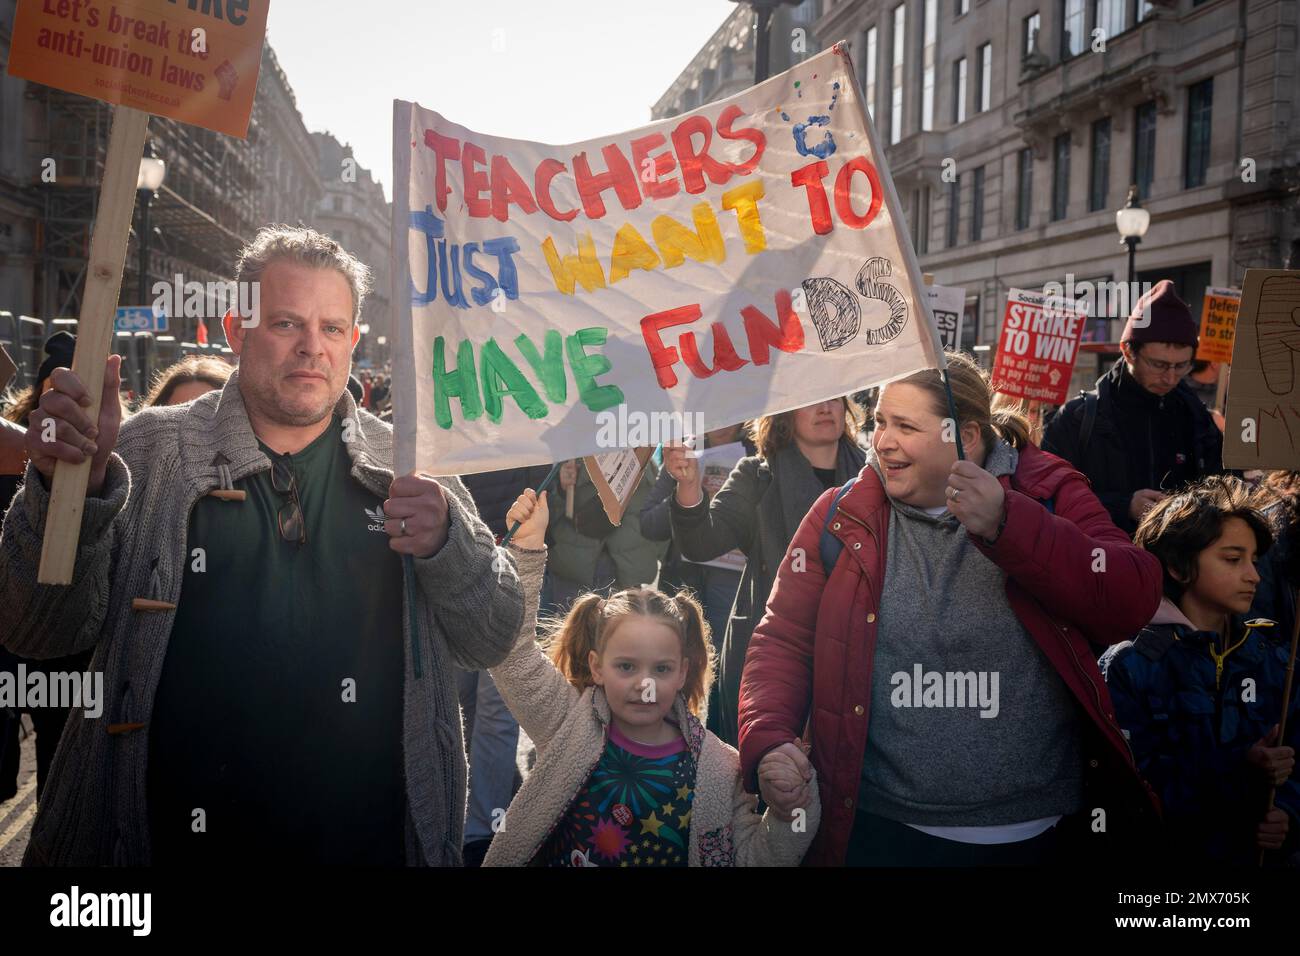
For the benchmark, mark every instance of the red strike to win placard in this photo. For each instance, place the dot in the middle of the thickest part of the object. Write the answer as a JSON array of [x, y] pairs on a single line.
[[1038, 346]]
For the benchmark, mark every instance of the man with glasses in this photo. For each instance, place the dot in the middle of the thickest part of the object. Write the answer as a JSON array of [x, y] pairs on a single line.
[[1142, 432], [276, 691]]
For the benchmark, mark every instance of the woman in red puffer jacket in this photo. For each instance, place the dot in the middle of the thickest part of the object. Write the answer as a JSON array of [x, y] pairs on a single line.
[[950, 695]]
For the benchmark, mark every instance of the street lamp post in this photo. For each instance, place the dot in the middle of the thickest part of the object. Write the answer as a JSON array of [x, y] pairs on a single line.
[[1132, 222], [147, 183]]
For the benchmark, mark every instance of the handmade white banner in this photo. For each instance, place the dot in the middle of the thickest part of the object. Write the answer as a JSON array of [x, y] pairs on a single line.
[[740, 260]]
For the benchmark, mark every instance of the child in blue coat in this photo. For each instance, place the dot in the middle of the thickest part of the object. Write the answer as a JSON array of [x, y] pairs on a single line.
[[1198, 691]]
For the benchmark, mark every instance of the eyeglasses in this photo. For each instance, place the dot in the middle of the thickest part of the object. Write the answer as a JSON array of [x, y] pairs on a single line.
[[289, 518], [1182, 368]]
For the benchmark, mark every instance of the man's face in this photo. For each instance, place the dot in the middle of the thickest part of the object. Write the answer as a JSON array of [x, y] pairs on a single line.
[[1159, 366], [294, 363]]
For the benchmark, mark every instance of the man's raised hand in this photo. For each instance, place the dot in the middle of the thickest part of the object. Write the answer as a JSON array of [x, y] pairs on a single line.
[[61, 429]]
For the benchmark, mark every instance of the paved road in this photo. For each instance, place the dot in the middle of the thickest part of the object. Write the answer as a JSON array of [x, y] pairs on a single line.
[[16, 814]]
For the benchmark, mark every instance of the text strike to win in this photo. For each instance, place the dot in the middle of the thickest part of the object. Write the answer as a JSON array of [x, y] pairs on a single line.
[[492, 185]]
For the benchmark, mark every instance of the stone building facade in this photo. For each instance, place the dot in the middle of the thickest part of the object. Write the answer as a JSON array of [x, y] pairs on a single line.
[[1015, 128], [354, 211]]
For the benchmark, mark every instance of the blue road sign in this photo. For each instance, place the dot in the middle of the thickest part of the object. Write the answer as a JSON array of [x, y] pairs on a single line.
[[140, 318]]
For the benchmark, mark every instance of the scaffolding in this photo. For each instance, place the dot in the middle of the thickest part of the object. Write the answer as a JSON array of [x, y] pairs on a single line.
[[205, 211], [75, 136]]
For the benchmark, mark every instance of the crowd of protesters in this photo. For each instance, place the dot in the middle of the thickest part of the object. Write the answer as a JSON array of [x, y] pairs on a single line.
[[1066, 643]]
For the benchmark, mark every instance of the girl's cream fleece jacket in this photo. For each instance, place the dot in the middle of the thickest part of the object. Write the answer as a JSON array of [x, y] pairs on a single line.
[[570, 730]]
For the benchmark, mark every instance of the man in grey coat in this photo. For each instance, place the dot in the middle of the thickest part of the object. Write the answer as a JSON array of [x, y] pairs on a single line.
[[276, 690]]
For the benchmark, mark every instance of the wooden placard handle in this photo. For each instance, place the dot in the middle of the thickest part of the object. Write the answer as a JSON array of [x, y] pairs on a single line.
[[95, 332]]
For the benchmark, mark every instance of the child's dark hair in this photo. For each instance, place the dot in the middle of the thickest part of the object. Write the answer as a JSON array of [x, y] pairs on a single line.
[[1283, 487], [1183, 525], [592, 619]]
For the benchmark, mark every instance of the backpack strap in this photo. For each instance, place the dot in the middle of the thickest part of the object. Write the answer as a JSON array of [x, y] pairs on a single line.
[[830, 546]]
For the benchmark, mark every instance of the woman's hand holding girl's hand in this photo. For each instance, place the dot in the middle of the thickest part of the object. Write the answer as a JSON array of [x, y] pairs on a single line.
[[533, 516], [784, 779], [976, 499]]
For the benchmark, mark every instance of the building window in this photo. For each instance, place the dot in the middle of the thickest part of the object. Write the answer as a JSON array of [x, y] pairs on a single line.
[[970, 330], [1072, 34], [1060, 176], [1099, 167], [1144, 9], [928, 65], [896, 99], [984, 82], [963, 7], [1200, 98], [1108, 16], [1029, 32], [959, 91], [954, 211], [1024, 186], [919, 220], [923, 223], [1144, 148], [977, 206], [869, 81]]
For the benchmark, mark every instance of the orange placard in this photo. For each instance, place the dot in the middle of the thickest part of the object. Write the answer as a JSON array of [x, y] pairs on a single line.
[[1218, 324], [195, 61]]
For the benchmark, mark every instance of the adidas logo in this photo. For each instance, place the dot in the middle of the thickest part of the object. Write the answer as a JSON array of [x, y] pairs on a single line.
[[376, 515]]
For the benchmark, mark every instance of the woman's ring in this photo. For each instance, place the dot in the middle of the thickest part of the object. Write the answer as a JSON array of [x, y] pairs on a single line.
[[953, 493], [402, 527]]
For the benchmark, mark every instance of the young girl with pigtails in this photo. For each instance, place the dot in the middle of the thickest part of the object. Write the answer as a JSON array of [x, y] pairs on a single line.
[[626, 773]]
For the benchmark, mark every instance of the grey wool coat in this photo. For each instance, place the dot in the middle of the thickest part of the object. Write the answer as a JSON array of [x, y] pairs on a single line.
[[467, 603]]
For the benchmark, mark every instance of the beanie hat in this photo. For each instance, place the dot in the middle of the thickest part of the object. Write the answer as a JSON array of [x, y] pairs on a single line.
[[1160, 316], [59, 347]]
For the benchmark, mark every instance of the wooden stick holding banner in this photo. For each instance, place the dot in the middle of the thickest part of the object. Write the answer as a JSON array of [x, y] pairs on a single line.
[[914, 273], [1286, 703], [108, 241], [1221, 386], [895, 207]]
